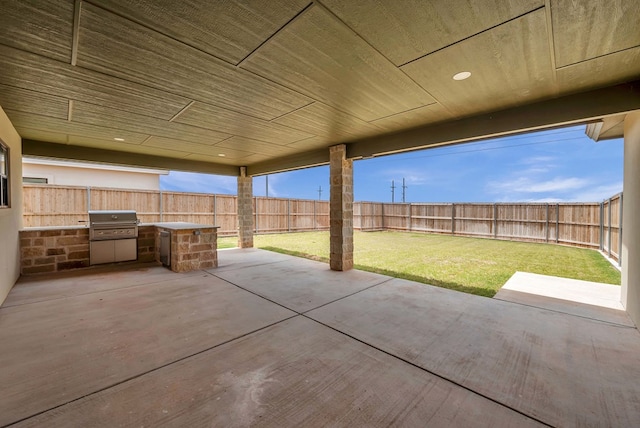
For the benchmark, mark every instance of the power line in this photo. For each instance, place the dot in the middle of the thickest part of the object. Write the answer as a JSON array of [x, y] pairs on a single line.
[[483, 149]]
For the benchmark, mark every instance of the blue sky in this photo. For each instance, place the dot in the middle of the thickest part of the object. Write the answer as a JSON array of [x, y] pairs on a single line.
[[551, 166]]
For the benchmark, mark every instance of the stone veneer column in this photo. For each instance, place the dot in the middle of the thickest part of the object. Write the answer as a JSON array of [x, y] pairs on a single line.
[[630, 217], [245, 209], [341, 208]]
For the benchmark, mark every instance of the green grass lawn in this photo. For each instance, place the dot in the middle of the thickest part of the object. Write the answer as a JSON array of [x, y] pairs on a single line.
[[472, 265]]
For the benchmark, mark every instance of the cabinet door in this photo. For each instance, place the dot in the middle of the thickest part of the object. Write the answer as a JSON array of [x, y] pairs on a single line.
[[126, 249], [101, 252]]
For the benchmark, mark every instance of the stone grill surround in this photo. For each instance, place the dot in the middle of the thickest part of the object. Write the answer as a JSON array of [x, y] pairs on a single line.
[[54, 249]]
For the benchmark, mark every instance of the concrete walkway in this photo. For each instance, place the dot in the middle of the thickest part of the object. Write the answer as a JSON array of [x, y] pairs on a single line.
[[272, 340], [571, 296]]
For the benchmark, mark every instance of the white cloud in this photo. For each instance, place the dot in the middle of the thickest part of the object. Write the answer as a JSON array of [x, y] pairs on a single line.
[[529, 185], [537, 160], [198, 183], [598, 193], [412, 176]]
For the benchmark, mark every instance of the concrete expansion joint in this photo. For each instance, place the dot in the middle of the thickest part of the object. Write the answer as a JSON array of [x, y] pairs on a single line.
[[445, 378]]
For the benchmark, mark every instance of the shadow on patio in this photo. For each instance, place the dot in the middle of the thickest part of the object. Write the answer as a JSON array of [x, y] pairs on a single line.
[[272, 340]]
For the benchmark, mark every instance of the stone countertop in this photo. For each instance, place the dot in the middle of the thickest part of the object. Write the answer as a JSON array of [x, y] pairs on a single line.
[[173, 225], [178, 225], [36, 228]]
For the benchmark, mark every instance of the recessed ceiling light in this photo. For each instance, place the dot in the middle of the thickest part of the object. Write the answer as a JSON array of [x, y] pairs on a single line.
[[462, 75], [119, 139], [221, 155]]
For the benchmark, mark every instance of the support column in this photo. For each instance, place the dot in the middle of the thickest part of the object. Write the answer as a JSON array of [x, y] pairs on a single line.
[[630, 219], [341, 208], [245, 209]]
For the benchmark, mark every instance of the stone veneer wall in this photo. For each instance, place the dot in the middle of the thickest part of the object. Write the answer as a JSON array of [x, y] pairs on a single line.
[[190, 251], [53, 250], [147, 243], [245, 210], [340, 209]]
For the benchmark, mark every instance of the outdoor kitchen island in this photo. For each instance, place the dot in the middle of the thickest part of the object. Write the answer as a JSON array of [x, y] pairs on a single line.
[[61, 248], [186, 246]]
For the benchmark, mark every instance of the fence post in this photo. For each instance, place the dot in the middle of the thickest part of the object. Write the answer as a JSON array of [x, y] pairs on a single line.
[[288, 215], [547, 225], [88, 198], [160, 207], [495, 221], [315, 222], [410, 219], [557, 223], [601, 226], [620, 234], [609, 240], [453, 219], [215, 209], [255, 203], [383, 226]]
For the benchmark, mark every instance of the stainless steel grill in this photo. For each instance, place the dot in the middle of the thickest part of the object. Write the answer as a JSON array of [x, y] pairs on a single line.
[[105, 225], [113, 236]]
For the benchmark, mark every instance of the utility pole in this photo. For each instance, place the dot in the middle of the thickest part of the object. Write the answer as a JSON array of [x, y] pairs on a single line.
[[393, 192], [267, 185], [319, 193], [404, 188]]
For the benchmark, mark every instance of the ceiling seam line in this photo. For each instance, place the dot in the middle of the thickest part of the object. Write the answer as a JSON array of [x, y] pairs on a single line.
[[402, 112], [75, 38], [142, 24], [301, 140], [597, 57], [117, 109], [305, 95], [182, 110], [225, 63], [197, 99], [291, 112], [329, 11], [551, 42], [227, 134], [157, 89], [472, 35], [82, 123], [278, 31]]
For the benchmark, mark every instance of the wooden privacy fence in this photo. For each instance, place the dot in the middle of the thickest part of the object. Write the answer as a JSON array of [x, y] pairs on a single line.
[[46, 205], [592, 225]]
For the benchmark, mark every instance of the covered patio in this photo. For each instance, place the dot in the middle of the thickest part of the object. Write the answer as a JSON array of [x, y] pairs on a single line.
[[272, 340], [251, 88]]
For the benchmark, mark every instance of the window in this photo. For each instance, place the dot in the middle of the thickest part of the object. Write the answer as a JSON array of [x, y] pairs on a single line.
[[35, 180], [4, 176]]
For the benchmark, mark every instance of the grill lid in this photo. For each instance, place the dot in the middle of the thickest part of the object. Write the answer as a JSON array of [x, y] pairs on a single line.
[[115, 217]]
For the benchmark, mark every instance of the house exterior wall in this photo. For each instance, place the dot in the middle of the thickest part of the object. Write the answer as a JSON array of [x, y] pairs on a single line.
[[630, 218], [11, 218], [72, 175]]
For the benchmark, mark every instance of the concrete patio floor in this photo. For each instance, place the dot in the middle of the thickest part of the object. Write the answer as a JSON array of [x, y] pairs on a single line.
[[272, 340]]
